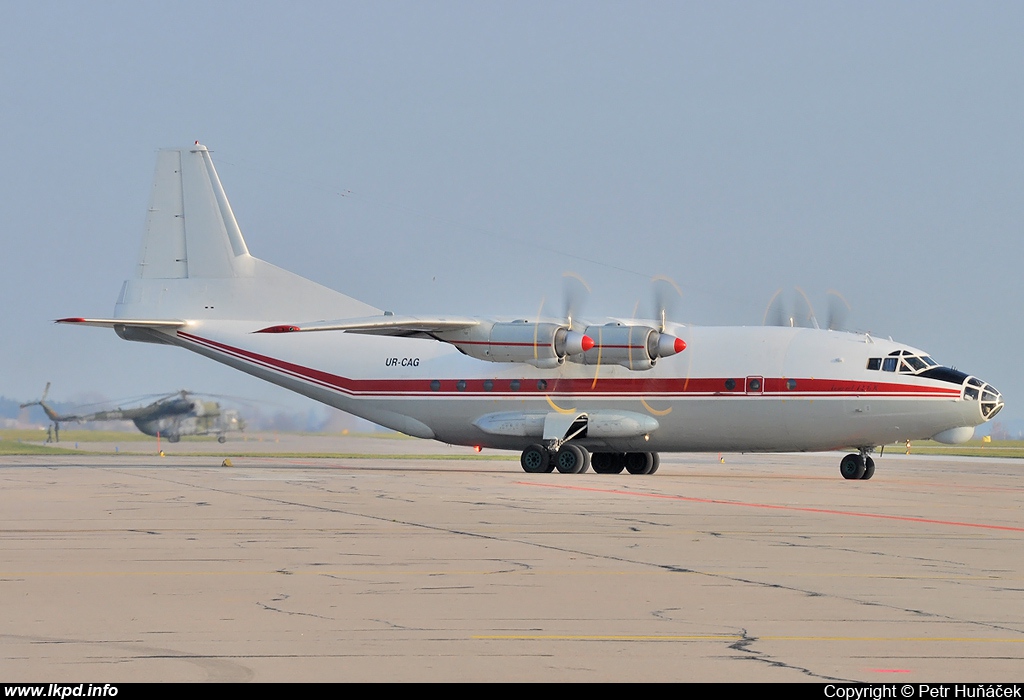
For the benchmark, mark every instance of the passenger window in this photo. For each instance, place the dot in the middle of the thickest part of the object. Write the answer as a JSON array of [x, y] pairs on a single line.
[[875, 363], [889, 364]]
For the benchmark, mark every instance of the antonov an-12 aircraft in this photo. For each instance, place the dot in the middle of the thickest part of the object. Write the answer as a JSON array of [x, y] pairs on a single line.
[[568, 393]]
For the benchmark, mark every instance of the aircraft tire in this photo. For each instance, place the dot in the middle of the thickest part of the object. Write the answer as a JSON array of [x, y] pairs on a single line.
[[656, 458], [535, 460], [173, 438], [852, 467], [639, 462], [606, 462], [571, 459], [869, 468], [221, 439], [586, 461]]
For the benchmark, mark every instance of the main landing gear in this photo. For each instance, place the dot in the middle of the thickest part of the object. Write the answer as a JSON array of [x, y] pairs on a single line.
[[857, 466], [573, 459]]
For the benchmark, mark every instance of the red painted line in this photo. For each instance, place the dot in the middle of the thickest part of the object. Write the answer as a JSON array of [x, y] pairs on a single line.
[[771, 506]]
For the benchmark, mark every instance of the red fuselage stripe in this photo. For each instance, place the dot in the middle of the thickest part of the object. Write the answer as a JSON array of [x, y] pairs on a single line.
[[664, 387]]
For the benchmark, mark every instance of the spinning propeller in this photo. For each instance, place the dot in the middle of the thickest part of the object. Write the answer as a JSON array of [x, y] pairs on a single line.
[[794, 309]]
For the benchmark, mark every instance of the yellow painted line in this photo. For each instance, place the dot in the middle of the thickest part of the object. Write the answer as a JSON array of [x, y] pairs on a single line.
[[729, 638]]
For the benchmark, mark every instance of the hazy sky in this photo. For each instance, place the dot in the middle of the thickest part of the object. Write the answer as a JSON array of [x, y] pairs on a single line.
[[459, 157]]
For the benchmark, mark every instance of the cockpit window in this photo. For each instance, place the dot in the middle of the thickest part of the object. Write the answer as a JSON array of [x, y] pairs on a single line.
[[916, 363], [902, 361]]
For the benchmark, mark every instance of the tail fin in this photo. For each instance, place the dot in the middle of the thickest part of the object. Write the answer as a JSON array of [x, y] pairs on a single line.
[[194, 263]]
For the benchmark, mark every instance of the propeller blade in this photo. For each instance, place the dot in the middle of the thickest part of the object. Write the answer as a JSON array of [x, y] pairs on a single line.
[[804, 316], [667, 299], [575, 292], [838, 311], [776, 313]]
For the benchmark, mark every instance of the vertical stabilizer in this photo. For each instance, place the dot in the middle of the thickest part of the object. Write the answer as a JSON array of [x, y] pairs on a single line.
[[190, 230], [194, 262]]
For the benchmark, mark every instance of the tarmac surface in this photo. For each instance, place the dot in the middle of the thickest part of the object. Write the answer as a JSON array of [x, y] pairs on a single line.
[[118, 568]]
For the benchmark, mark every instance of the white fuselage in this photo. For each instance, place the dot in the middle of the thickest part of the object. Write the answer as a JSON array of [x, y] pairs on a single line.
[[732, 389]]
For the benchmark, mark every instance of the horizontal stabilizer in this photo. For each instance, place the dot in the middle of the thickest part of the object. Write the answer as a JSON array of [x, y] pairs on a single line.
[[128, 322]]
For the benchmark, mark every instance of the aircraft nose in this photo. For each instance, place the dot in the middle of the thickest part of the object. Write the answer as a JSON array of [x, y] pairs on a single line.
[[990, 401]]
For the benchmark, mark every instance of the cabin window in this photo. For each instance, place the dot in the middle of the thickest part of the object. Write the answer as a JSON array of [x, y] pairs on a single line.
[[754, 385], [461, 385], [875, 363], [542, 384], [791, 384], [730, 384], [488, 385], [514, 385], [435, 385]]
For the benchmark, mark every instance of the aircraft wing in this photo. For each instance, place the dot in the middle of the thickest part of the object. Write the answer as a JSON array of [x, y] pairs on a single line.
[[130, 322], [404, 326]]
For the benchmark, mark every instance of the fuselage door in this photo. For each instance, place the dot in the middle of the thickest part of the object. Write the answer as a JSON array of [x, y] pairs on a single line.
[[755, 385]]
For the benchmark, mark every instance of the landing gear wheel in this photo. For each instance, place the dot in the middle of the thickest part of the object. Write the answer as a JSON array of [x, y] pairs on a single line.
[[639, 462], [535, 459], [869, 468], [221, 439], [173, 438], [572, 459], [607, 462], [618, 462], [852, 466], [656, 458]]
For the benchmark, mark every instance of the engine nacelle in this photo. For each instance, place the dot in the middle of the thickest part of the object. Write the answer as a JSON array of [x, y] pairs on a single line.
[[633, 347], [544, 345]]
